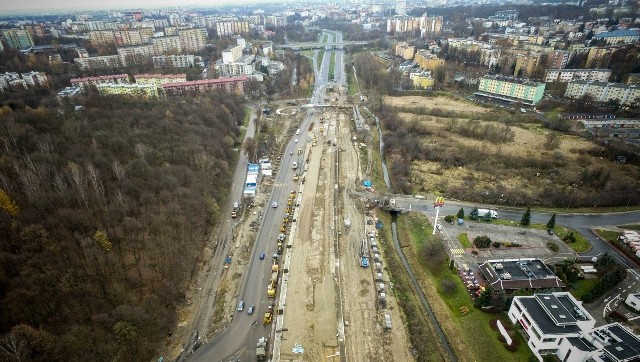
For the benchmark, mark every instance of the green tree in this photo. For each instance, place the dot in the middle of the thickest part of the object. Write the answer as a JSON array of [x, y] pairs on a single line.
[[526, 217], [484, 299], [460, 214], [473, 215], [552, 222]]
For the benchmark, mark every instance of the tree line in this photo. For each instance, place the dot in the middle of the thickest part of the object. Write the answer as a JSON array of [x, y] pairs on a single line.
[[103, 214]]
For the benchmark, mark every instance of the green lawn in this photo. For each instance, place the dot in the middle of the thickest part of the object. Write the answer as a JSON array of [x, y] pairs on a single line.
[[583, 286], [473, 329], [608, 235], [580, 246], [353, 86], [319, 58], [464, 240], [630, 227]]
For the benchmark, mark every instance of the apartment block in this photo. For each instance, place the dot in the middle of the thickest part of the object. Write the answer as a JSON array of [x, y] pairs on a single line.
[[101, 62], [568, 75], [166, 45], [599, 57], [84, 83], [619, 36], [511, 89], [623, 94], [422, 80], [17, 38], [193, 39], [558, 59], [134, 90], [232, 54], [33, 79], [159, 79], [102, 37], [230, 85], [427, 61], [405, 51], [173, 61], [135, 55], [557, 324], [244, 66], [229, 28], [130, 37], [275, 21]]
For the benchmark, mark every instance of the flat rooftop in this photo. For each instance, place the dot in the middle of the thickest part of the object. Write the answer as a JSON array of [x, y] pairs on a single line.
[[524, 273]]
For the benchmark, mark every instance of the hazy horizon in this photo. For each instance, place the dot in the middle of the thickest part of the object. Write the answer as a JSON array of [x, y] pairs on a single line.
[[43, 6]]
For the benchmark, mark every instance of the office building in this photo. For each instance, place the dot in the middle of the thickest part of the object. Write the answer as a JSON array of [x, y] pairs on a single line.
[[511, 89], [557, 324]]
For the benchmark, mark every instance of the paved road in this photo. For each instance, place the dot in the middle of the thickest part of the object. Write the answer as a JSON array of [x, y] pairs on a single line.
[[238, 341]]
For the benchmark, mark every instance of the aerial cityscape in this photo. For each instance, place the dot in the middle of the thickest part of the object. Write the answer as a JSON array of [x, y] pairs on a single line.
[[320, 181]]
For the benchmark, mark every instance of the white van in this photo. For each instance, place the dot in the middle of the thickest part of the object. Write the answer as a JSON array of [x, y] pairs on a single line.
[[298, 131]]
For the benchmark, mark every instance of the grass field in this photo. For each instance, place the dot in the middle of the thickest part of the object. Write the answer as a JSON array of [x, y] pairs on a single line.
[[580, 246], [478, 342], [631, 227], [584, 286], [464, 240], [471, 152], [332, 66], [608, 235]]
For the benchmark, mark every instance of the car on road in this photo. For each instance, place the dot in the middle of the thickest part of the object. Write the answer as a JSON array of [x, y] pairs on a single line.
[[298, 131], [241, 306], [550, 232], [296, 140], [262, 256], [274, 204], [250, 310]]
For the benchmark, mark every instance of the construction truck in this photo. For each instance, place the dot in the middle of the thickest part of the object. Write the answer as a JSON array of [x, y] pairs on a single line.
[[261, 349], [268, 316], [273, 281]]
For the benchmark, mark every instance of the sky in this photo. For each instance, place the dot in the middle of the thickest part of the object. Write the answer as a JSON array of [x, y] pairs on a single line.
[[57, 5]]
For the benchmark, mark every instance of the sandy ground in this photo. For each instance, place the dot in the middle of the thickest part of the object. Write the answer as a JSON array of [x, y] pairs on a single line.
[[312, 311], [444, 103]]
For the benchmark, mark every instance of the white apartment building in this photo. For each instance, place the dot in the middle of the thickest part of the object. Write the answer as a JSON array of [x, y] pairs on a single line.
[[556, 323], [135, 54], [624, 94], [101, 62], [568, 75], [173, 61], [244, 66], [193, 39], [232, 54], [166, 45], [33, 79]]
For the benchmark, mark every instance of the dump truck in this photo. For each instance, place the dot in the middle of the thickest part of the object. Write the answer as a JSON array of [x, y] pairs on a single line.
[[483, 212], [268, 316], [261, 349], [273, 281]]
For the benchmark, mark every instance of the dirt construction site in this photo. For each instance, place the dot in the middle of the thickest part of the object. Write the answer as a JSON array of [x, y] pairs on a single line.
[[325, 280]]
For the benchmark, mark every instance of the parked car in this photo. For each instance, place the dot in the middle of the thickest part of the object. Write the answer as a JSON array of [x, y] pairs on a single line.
[[550, 231], [274, 204], [250, 310], [241, 306], [262, 256]]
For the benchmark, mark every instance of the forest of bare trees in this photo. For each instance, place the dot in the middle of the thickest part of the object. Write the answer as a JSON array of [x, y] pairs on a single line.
[[103, 214]]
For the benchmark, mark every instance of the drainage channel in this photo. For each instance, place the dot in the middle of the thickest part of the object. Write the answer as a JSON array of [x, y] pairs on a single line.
[[403, 259]]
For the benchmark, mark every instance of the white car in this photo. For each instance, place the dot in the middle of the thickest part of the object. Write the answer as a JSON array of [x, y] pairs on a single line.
[[274, 204], [296, 140], [298, 131]]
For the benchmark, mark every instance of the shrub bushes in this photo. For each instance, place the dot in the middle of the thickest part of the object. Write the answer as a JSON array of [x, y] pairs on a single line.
[[482, 241]]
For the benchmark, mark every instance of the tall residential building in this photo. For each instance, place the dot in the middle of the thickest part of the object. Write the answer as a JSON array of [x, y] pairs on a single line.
[[511, 89], [568, 75], [134, 55], [232, 54], [193, 39], [173, 61], [127, 38], [101, 62], [423, 26], [166, 45], [102, 37], [229, 28], [558, 59], [624, 94], [17, 38], [401, 7], [405, 51], [275, 21]]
